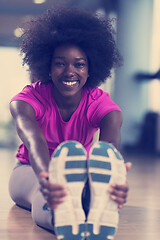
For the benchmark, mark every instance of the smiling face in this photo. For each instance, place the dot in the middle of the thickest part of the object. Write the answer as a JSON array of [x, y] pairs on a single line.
[[69, 70]]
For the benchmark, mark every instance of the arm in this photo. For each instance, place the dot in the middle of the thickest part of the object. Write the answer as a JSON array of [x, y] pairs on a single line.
[[110, 132], [34, 139], [110, 127], [31, 135]]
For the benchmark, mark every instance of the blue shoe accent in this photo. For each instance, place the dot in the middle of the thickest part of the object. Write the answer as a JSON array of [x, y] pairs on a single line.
[[106, 233], [65, 233], [101, 150], [76, 177], [74, 148], [102, 178], [79, 164], [98, 164], [105, 166], [68, 166]]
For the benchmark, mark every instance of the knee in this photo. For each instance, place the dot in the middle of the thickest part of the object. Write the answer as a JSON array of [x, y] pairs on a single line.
[[16, 194], [13, 191]]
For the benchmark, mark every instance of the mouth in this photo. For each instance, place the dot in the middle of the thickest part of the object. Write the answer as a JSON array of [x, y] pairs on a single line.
[[70, 83]]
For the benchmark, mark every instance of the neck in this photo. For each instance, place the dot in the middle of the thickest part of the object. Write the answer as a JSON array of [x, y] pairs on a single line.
[[67, 101]]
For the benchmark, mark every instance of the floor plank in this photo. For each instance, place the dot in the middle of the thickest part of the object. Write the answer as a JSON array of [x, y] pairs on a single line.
[[139, 219]]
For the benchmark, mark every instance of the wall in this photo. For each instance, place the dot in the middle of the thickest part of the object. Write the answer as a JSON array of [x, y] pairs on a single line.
[[134, 40]]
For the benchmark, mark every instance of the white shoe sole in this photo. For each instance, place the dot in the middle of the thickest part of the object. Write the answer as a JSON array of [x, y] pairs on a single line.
[[68, 166], [105, 166]]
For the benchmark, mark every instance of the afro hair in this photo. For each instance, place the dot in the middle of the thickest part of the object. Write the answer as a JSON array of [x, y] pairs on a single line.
[[92, 33]]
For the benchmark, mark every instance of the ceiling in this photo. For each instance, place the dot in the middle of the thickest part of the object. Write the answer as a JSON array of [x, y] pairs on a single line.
[[15, 12]]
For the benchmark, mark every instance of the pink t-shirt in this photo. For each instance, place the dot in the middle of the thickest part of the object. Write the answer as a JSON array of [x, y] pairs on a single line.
[[83, 124]]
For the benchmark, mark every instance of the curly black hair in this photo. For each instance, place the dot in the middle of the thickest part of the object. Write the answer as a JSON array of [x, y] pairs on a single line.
[[92, 33]]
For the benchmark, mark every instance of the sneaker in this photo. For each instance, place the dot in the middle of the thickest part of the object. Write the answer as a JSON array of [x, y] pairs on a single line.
[[68, 166], [105, 166]]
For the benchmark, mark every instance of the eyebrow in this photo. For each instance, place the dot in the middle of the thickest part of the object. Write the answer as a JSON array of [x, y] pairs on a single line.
[[77, 59]]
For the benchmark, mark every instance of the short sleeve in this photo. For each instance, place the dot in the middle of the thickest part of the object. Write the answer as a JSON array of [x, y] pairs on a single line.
[[99, 104], [30, 95]]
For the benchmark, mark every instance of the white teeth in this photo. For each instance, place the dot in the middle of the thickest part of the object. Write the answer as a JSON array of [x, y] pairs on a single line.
[[69, 83]]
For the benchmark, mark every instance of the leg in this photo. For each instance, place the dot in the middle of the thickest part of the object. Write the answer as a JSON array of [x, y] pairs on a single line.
[[106, 166], [22, 185], [24, 191], [43, 218]]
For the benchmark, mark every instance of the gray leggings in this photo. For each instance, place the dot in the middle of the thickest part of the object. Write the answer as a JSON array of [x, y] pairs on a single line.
[[24, 191]]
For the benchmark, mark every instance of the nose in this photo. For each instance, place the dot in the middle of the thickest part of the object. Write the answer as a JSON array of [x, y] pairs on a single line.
[[69, 70]]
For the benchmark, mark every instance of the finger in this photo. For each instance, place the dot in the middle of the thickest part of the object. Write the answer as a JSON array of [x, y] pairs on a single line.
[[120, 206], [52, 206], [44, 186], [118, 193], [57, 187], [45, 192], [58, 194], [56, 201], [44, 183], [118, 200], [53, 194], [128, 166], [51, 186], [44, 175], [119, 187]]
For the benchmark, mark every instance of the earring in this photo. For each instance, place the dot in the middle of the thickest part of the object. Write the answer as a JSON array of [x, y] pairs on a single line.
[[50, 76]]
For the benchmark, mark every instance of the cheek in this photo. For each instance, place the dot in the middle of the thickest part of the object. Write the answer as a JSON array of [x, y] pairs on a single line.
[[84, 75], [84, 72], [55, 73], [54, 76]]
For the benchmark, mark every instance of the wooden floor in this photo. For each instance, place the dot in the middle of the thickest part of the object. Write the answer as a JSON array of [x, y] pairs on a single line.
[[139, 219]]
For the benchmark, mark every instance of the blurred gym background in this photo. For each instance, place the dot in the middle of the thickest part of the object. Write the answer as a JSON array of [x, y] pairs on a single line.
[[135, 86]]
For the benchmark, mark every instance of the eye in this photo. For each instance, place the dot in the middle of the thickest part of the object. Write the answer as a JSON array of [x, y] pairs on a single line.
[[80, 64], [59, 64]]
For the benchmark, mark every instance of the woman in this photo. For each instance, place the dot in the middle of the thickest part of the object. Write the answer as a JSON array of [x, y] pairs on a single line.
[[71, 52]]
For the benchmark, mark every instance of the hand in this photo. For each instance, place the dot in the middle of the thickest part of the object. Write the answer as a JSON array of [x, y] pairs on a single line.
[[54, 194], [118, 192]]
